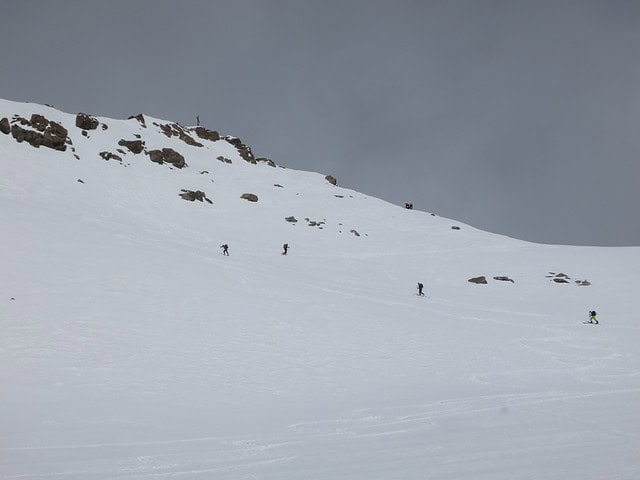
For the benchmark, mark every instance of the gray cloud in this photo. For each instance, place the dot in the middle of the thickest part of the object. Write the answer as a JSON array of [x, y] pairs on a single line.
[[518, 117]]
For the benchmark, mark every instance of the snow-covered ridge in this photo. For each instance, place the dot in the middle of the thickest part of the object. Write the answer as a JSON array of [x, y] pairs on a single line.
[[131, 347]]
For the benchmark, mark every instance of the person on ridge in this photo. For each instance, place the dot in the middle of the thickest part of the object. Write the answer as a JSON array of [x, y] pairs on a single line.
[[592, 317], [225, 249], [420, 287], [285, 248]]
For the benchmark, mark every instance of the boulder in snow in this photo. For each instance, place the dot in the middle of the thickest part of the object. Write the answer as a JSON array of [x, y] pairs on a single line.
[[86, 122], [482, 280]]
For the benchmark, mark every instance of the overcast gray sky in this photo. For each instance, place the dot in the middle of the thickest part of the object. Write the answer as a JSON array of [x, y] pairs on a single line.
[[518, 117]]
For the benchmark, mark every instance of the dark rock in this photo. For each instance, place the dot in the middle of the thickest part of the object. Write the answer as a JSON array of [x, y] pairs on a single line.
[[331, 180], [108, 156], [339, 196], [85, 133], [80, 180], [134, 146], [291, 219], [191, 195], [39, 122], [250, 197], [55, 137], [355, 232], [224, 159], [502, 278], [174, 129], [277, 185], [104, 126], [206, 134], [268, 161], [482, 280], [21, 135], [167, 155], [243, 150], [86, 122], [140, 118], [560, 280], [455, 227], [5, 127], [583, 283]]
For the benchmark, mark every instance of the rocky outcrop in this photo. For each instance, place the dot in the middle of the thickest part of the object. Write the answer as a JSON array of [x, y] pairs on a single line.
[[22, 135], [205, 134], [243, 150], [249, 197], [192, 195], [332, 180], [268, 161], [167, 155], [224, 159], [134, 146], [109, 156], [54, 136], [39, 122], [482, 280], [140, 118], [5, 127], [86, 122], [177, 130]]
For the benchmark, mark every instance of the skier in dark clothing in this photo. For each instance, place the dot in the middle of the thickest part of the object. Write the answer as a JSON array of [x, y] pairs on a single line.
[[285, 248], [225, 249], [592, 317], [420, 287]]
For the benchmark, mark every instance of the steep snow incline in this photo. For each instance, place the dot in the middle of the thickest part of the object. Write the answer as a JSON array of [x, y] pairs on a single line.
[[131, 348]]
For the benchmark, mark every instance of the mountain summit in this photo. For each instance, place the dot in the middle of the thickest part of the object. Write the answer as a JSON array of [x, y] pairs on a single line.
[[133, 346]]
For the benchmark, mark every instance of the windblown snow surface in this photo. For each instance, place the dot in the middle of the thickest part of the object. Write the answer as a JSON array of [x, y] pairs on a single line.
[[130, 347]]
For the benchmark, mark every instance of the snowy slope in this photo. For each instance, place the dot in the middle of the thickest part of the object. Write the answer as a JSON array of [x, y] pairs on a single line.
[[131, 348]]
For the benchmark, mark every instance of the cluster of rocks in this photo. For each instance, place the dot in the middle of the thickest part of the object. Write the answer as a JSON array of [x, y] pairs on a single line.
[[564, 278], [110, 156], [176, 130], [315, 223], [332, 180], [40, 131], [224, 159], [134, 146], [193, 195], [482, 280], [206, 134], [167, 155], [243, 150], [555, 277], [87, 122]]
